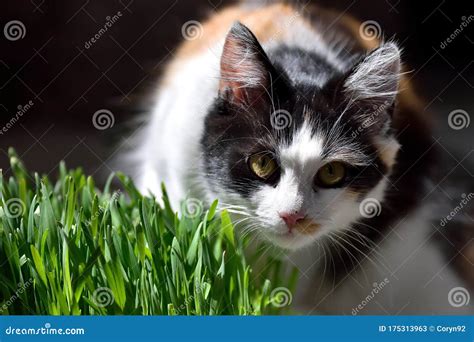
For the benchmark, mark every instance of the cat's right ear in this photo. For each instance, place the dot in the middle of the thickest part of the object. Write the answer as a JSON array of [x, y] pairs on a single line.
[[245, 69], [374, 80]]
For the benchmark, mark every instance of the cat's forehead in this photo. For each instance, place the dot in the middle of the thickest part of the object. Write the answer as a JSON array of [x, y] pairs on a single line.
[[313, 142], [306, 146]]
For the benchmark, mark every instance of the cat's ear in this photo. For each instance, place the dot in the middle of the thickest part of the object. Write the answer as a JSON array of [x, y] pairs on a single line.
[[373, 82], [245, 68]]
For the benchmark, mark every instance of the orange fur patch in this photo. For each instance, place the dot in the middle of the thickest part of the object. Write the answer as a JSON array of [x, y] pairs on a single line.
[[269, 22], [264, 22], [387, 152], [306, 227]]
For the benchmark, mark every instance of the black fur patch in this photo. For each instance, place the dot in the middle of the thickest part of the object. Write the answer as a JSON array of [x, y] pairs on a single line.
[[302, 83]]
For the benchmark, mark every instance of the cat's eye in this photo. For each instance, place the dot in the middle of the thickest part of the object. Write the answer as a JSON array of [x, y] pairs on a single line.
[[263, 165], [331, 175]]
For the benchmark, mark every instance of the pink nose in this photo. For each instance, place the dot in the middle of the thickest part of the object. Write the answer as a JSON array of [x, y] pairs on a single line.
[[291, 218]]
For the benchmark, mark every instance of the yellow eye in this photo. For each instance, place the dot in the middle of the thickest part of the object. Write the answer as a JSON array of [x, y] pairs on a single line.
[[331, 175], [263, 165]]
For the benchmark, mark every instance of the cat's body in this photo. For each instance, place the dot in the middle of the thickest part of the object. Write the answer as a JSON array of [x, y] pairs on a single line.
[[215, 109]]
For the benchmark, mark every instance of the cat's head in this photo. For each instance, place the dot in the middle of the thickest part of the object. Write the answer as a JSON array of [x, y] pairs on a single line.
[[298, 143]]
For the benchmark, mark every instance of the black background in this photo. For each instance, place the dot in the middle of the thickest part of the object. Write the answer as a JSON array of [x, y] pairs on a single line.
[[68, 83]]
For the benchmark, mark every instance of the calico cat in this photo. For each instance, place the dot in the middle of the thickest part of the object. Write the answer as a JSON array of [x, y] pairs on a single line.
[[311, 135]]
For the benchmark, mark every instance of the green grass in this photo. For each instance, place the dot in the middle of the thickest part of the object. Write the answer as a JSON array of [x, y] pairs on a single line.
[[67, 248]]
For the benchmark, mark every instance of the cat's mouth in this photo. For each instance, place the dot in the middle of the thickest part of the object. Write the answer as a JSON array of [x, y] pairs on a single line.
[[305, 227], [301, 234]]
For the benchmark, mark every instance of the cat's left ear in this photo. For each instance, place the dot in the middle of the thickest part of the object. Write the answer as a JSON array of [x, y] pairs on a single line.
[[373, 82], [245, 68]]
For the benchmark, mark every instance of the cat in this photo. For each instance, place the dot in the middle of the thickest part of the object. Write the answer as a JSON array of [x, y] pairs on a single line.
[[311, 135]]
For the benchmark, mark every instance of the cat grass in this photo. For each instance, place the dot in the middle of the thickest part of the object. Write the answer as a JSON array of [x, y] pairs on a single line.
[[68, 248]]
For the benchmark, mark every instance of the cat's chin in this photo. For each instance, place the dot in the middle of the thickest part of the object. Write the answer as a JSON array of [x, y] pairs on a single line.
[[290, 241]]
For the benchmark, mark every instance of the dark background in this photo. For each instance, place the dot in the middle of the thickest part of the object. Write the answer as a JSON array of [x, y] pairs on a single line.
[[68, 83]]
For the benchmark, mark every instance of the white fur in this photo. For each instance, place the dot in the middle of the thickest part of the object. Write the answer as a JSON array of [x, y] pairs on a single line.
[[377, 76], [170, 148], [419, 278], [332, 209], [169, 151]]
